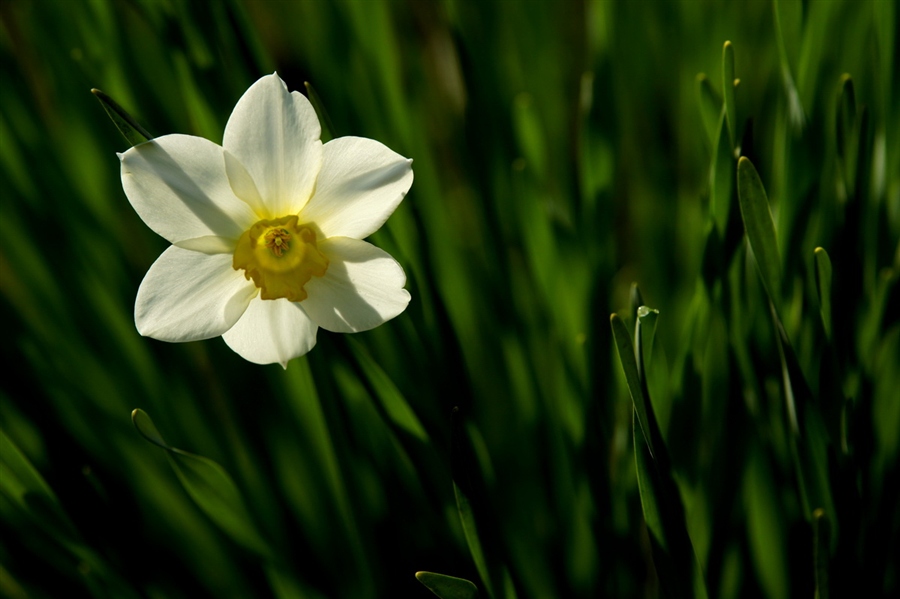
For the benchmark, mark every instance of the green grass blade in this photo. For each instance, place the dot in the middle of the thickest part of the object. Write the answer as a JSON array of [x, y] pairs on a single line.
[[447, 587], [627, 357], [847, 133], [760, 228], [722, 173], [646, 487], [795, 106], [809, 436], [23, 484], [393, 402], [765, 526], [644, 333], [147, 429], [673, 554], [127, 125], [636, 300], [209, 485], [728, 84], [328, 131], [462, 487], [711, 107], [823, 287]]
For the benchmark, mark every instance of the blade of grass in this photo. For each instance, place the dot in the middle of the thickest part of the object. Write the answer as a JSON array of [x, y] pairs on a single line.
[[627, 357], [673, 553], [847, 134], [728, 84], [795, 106], [760, 228], [711, 107], [447, 587], [127, 125], [722, 174], [24, 485], [823, 287], [461, 462], [393, 402], [328, 131], [209, 485]]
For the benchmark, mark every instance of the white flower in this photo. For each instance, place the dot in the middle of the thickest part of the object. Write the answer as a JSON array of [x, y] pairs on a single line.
[[266, 230]]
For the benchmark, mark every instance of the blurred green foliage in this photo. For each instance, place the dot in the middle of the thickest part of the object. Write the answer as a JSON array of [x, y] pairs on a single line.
[[563, 150]]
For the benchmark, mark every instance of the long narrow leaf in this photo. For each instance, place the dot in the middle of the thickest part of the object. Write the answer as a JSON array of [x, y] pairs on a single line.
[[823, 286], [393, 402], [629, 363], [728, 83], [448, 587], [328, 131], [711, 107], [21, 483], [127, 125], [462, 486], [673, 553], [760, 228], [209, 485]]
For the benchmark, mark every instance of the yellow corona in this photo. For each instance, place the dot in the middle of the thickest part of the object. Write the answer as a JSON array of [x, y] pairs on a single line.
[[280, 256]]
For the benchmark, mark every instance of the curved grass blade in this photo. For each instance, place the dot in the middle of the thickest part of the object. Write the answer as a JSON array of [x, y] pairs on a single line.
[[627, 357], [22, 484], [809, 436], [462, 487], [646, 487], [209, 485], [673, 553], [324, 119], [127, 125], [448, 587], [393, 402], [760, 228]]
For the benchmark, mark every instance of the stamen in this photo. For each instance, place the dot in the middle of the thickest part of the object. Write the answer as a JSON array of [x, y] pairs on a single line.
[[277, 241]]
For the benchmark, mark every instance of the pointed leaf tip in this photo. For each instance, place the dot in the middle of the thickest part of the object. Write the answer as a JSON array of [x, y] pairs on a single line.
[[324, 120], [147, 429], [447, 587], [728, 86], [127, 125]]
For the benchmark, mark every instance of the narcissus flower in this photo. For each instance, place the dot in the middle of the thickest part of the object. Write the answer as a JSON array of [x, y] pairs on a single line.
[[267, 230]]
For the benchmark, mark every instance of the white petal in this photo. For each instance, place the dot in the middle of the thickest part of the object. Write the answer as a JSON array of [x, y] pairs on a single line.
[[242, 184], [275, 134], [272, 331], [178, 186], [359, 186], [187, 296], [362, 288]]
